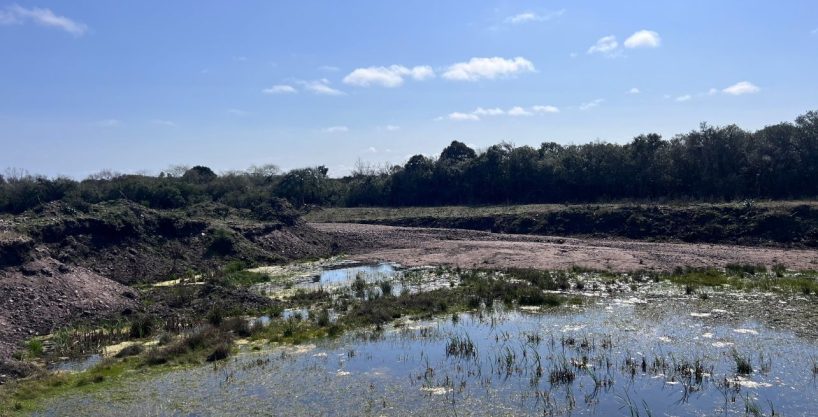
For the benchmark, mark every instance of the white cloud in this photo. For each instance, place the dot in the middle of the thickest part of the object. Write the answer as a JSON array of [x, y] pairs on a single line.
[[237, 112], [743, 87], [16, 14], [712, 92], [606, 45], [335, 129], [329, 68], [321, 87], [545, 109], [487, 68], [633, 90], [392, 128], [527, 17], [643, 39], [371, 149], [591, 104], [161, 122], [460, 117], [392, 76], [684, 98], [280, 89], [240, 58], [515, 111], [107, 123], [519, 111], [814, 32], [489, 112]]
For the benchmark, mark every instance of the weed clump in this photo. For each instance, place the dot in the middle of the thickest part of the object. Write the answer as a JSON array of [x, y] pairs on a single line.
[[743, 365], [142, 325]]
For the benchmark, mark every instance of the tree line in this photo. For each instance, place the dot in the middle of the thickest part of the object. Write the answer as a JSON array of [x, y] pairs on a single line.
[[710, 163]]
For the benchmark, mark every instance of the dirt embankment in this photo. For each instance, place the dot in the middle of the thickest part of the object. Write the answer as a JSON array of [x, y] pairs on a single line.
[[472, 249], [789, 224], [59, 265]]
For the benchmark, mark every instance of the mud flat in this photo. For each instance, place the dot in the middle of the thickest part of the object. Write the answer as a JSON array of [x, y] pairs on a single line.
[[472, 249]]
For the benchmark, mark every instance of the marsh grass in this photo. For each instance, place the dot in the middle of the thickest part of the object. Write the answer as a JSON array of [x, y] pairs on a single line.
[[561, 373], [461, 347], [743, 364], [744, 278]]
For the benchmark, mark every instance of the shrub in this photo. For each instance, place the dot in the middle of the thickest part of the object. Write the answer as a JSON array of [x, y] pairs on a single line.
[[142, 325]]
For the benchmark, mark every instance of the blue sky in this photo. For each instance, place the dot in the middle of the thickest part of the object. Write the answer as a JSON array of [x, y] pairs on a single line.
[[134, 86]]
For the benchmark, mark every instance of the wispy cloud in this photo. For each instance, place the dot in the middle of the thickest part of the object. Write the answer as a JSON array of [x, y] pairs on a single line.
[[545, 109], [335, 129], [606, 45], [516, 111], [390, 77], [329, 68], [321, 87], [489, 112], [17, 15], [591, 104], [280, 89], [643, 39], [487, 68], [527, 17], [237, 112], [609, 46], [740, 88], [391, 128], [814, 32], [460, 117], [684, 98], [633, 91]]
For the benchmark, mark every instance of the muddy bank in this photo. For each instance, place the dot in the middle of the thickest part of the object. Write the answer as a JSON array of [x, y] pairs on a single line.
[[472, 249]]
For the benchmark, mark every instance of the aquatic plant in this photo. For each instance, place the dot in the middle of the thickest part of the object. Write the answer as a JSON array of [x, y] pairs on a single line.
[[743, 365], [561, 373], [461, 346]]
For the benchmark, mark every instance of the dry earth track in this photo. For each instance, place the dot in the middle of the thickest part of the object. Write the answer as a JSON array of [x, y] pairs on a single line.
[[474, 249]]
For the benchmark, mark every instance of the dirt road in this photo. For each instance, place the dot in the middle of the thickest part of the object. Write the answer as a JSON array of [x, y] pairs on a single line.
[[472, 249]]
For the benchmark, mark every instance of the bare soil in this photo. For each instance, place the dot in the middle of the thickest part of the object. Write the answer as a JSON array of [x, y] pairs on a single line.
[[473, 249], [44, 293]]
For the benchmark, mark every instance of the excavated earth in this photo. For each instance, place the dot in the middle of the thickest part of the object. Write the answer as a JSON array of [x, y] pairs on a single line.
[[60, 266], [473, 249]]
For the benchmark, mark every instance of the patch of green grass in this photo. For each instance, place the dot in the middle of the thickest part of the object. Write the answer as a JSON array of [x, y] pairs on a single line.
[[22, 397], [805, 283], [34, 347]]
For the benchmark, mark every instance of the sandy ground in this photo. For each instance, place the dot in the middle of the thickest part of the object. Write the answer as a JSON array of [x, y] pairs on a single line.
[[473, 249]]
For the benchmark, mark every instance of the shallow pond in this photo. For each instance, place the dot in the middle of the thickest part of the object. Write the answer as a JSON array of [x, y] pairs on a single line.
[[617, 356]]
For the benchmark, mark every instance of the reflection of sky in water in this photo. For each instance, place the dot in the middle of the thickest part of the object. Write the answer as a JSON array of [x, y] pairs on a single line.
[[368, 272], [406, 371]]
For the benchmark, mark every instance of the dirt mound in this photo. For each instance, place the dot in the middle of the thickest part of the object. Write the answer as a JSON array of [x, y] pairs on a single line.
[[130, 243], [59, 265], [44, 294]]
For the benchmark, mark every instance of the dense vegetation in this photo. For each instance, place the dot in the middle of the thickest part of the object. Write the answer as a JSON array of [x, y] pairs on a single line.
[[710, 163]]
